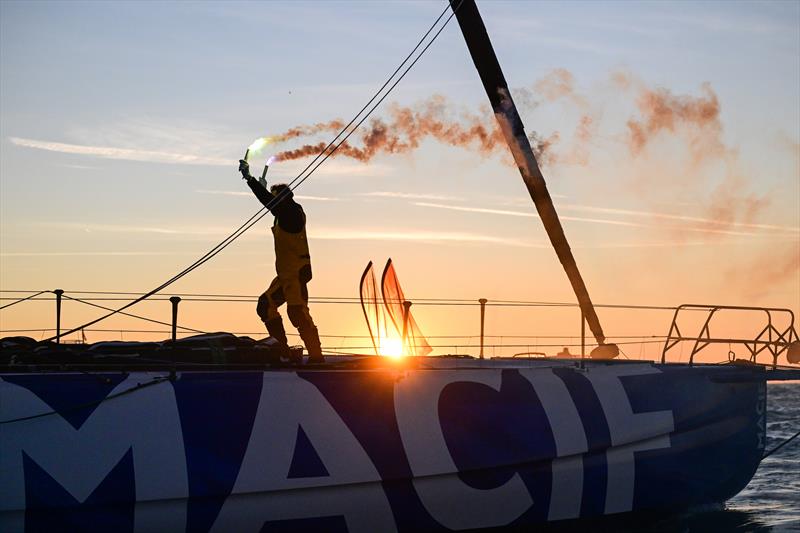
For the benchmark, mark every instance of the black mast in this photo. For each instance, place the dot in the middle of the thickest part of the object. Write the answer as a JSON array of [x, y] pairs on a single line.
[[480, 48]]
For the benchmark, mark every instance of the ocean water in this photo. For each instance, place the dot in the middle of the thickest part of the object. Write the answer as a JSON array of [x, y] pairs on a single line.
[[771, 501]]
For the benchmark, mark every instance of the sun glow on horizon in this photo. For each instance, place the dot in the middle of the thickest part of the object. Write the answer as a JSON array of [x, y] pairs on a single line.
[[391, 347]]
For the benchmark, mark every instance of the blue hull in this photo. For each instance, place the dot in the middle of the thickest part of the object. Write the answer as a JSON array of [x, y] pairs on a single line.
[[393, 449]]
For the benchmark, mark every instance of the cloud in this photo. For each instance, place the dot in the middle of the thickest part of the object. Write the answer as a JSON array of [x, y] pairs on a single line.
[[250, 195], [127, 154], [531, 214], [507, 212], [226, 193], [332, 168], [766, 271], [125, 228], [408, 196], [85, 254], [685, 218], [435, 237], [422, 236]]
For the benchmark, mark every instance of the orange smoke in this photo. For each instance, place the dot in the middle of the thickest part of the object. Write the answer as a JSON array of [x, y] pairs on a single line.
[[663, 111], [407, 127], [308, 130], [559, 83], [542, 148], [770, 268]]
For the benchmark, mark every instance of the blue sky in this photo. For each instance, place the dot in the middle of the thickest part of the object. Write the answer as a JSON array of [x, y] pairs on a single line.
[[201, 80]]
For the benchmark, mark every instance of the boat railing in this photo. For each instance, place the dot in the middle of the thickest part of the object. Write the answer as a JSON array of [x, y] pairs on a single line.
[[775, 335], [772, 338]]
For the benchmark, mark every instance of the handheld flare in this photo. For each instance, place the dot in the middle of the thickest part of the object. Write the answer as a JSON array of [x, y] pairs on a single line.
[[263, 179]]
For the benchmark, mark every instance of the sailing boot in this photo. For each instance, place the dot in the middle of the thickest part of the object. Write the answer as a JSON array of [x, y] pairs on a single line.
[[301, 319], [310, 337], [276, 330]]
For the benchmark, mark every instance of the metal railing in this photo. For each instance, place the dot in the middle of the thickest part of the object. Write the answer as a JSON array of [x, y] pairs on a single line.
[[770, 337]]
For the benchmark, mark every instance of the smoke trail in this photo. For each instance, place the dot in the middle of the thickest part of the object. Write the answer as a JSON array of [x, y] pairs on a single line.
[[309, 130], [557, 84], [663, 111], [673, 147], [406, 128], [769, 269]]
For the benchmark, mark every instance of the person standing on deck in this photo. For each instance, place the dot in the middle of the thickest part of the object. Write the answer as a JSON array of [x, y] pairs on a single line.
[[293, 266]]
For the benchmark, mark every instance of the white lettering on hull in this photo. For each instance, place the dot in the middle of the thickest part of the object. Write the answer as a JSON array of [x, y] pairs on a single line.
[[570, 439], [352, 489], [146, 422], [630, 432], [449, 500]]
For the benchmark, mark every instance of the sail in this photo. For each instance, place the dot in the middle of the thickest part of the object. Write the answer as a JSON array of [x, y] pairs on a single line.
[[368, 290], [414, 342]]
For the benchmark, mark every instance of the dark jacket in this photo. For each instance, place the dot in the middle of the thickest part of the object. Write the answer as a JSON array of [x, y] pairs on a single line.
[[292, 258], [289, 214]]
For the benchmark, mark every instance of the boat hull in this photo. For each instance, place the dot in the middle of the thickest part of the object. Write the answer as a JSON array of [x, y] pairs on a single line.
[[392, 449]]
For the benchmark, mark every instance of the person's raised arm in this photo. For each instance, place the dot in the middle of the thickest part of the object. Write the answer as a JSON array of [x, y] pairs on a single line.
[[263, 195]]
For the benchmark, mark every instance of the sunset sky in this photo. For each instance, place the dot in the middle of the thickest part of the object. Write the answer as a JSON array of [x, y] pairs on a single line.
[[673, 160]]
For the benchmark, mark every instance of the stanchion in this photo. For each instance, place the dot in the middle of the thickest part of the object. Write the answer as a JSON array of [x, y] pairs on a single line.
[[175, 300], [482, 301], [583, 337], [58, 293], [406, 314]]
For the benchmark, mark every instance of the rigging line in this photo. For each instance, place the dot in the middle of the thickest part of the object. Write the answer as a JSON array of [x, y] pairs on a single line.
[[138, 387], [153, 320], [388, 80], [351, 300], [283, 194], [781, 445], [490, 302], [385, 95], [467, 336], [23, 299], [264, 210], [157, 289]]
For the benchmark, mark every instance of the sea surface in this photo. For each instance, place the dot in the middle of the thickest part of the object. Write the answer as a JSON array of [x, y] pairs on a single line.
[[771, 502]]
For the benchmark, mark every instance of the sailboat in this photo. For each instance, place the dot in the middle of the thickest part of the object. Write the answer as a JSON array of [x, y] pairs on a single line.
[[216, 433]]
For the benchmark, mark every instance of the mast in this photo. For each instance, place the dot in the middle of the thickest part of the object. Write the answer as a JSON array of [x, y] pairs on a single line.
[[485, 60]]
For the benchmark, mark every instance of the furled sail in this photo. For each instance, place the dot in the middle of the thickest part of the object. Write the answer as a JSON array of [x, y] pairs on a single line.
[[414, 342], [373, 314]]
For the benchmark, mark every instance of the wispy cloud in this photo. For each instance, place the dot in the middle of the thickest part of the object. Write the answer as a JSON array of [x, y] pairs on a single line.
[[507, 212], [682, 218], [439, 237], [127, 154], [612, 222], [126, 228], [81, 167], [408, 196], [431, 237], [84, 254], [249, 194], [225, 193], [332, 168]]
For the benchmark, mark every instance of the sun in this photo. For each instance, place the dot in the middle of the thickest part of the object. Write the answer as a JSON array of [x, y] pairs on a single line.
[[391, 347]]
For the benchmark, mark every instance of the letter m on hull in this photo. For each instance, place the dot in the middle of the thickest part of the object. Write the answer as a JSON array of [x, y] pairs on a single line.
[[130, 440]]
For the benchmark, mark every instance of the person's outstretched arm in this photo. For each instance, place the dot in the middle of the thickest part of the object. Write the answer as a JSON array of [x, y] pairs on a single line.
[[263, 195]]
